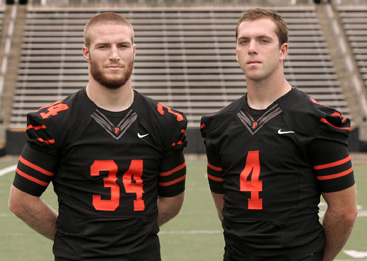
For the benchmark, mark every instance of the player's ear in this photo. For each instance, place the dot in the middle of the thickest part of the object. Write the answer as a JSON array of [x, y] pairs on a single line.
[[283, 51], [86, 53]]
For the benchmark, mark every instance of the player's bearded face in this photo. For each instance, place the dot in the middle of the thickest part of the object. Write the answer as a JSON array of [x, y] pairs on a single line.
[[115, 79]]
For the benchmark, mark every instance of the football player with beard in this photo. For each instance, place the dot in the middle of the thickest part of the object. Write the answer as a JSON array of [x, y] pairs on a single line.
[[114, 156]]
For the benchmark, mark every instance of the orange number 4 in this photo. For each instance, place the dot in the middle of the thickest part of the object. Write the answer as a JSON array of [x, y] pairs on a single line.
[[53, 109], [254, 185]]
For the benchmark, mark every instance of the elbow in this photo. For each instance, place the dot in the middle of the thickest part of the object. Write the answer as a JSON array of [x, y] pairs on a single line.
[[15, 207], [345, 217], [175, 212], [220, 216], [177, 207], [351, 216], [17, 203]]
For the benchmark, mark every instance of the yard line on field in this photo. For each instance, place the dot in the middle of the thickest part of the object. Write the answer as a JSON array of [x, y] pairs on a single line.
[[12, 234], [8, 170], [187, 232], [362, 213], [6, 215]]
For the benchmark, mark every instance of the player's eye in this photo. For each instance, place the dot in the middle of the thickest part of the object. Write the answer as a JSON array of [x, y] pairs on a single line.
[[123, 45], [243, 41], [264, 40]]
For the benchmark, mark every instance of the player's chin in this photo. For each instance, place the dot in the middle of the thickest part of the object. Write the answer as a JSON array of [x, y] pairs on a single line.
[[256, 77], [115, 83]]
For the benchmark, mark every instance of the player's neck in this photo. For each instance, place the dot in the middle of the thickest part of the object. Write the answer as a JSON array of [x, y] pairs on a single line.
[[261, 95], [111, 99]]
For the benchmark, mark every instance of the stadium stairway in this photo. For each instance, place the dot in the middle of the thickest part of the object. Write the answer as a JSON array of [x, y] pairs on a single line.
[[12, 31], [354, 21], [2, 54], [346, 68]]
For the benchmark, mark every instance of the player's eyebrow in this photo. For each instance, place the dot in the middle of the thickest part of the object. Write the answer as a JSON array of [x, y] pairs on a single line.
[[256, 37]]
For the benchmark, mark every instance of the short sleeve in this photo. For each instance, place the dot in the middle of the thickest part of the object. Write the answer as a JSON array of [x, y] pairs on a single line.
[[35, 171], [42, 135], [332, 165], [214, 165], [38, 161], [172, 175], [331, 124]]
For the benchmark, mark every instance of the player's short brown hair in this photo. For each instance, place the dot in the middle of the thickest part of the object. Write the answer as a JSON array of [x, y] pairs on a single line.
[[259, 13], [106, 18]]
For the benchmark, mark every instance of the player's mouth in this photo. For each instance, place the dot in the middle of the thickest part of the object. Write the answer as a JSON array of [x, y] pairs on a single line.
[[114, 67], [253, 62]]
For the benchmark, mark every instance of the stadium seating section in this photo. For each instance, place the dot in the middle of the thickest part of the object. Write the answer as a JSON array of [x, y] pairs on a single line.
[[185, 56]]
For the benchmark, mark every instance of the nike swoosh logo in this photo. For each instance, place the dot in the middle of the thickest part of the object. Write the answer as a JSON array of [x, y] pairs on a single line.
[[142, 135], [284, 132]]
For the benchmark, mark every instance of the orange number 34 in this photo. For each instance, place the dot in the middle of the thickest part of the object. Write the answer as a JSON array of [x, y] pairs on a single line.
[[254, 185], [134, 173]]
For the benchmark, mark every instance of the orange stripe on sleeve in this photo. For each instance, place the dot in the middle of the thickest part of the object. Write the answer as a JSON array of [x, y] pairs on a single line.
[[36, 127], [214, 167], [169, 183], [35, 167], [46, 141], [340, 128], [214, 178], [332, 164], [40, 182], [167, 173], [337, 175]]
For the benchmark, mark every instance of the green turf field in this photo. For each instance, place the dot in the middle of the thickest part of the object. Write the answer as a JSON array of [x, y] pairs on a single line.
[[194, 235]]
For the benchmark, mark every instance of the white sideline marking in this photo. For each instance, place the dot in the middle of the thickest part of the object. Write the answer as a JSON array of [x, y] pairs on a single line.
[[187, 232], [7, 170], [356, 254]]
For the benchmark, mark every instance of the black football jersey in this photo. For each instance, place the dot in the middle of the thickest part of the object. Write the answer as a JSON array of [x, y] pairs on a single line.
[[107, 169], [272, 166]]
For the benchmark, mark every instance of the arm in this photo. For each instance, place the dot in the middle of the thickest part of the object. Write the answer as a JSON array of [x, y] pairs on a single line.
[[219, 203], [34, 212], [169, 207], [338, 220]]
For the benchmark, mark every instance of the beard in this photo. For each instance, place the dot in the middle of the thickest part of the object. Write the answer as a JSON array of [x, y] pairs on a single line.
[[111, 82]]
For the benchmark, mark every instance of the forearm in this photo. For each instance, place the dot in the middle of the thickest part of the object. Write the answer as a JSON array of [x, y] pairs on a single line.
[[34, 212], [339, 220], [42, 218], [168, 208], [337, 231], [219, 204]]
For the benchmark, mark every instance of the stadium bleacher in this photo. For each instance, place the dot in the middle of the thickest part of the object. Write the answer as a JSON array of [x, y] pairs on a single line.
[[185, 56]]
